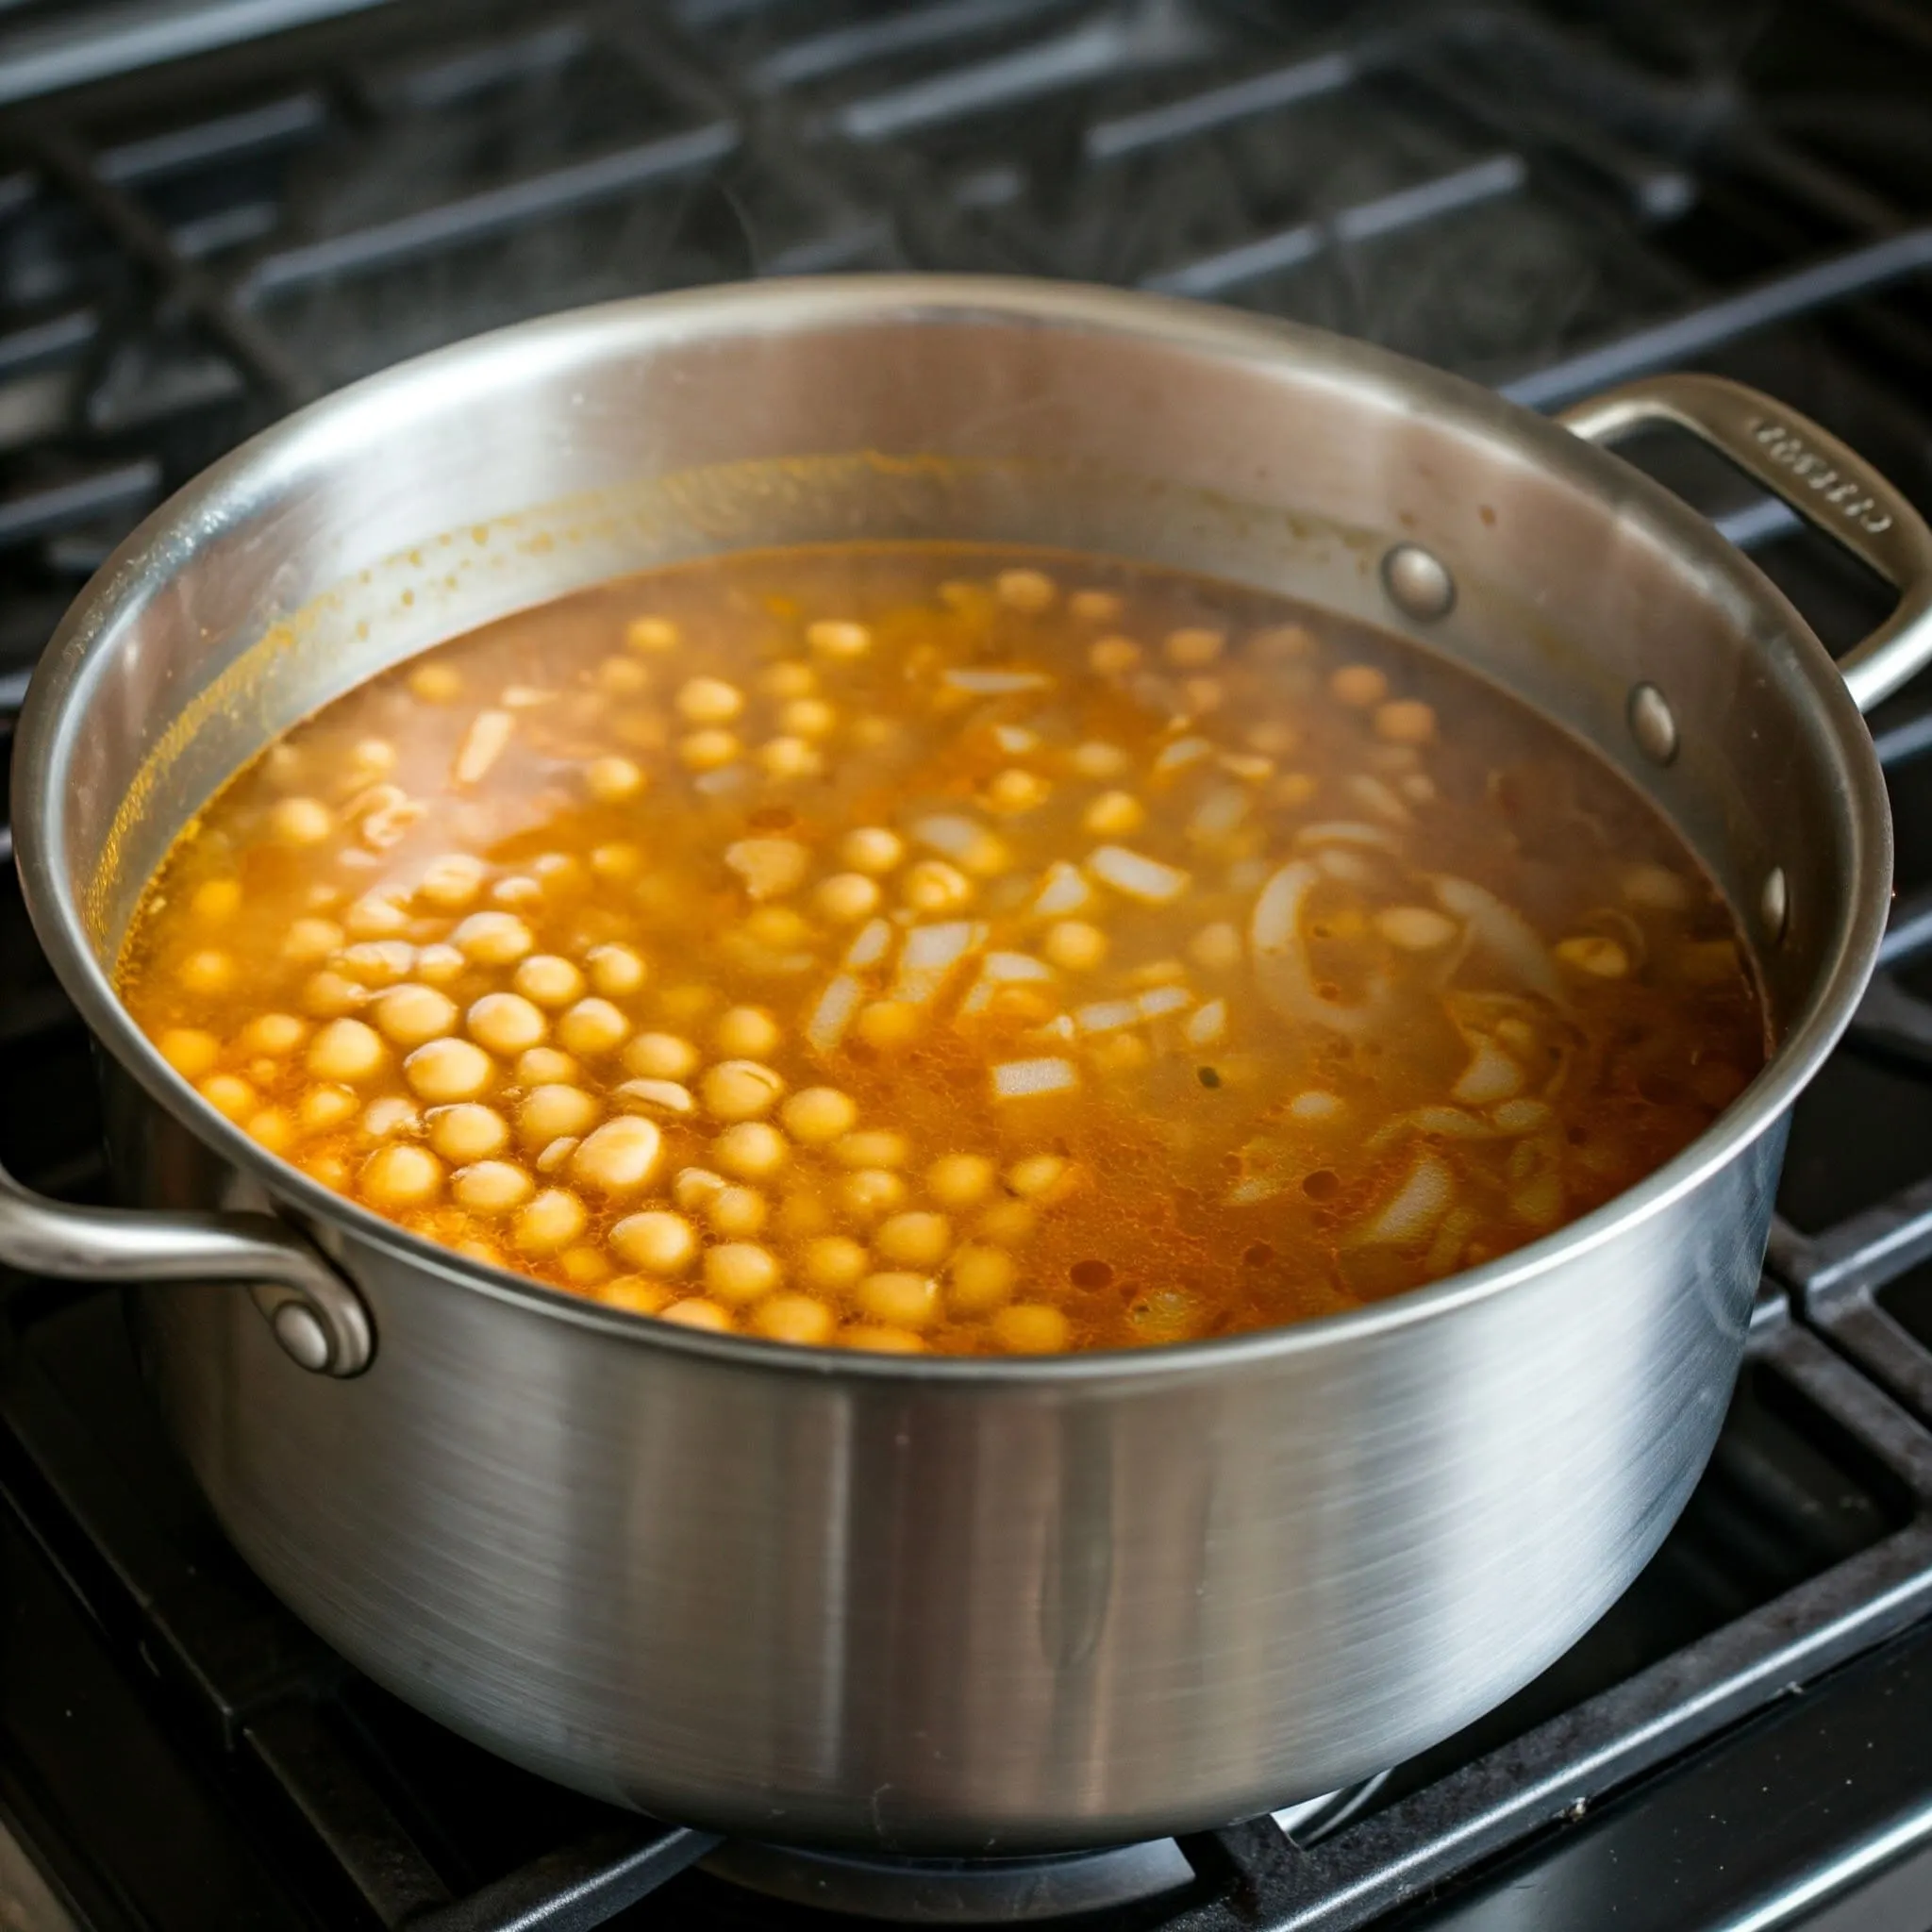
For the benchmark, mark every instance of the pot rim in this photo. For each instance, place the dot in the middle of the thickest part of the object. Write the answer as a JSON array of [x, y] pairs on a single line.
[[203, 508]]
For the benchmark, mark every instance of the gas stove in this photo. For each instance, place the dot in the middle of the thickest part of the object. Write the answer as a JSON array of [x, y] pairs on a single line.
[[211, 210]]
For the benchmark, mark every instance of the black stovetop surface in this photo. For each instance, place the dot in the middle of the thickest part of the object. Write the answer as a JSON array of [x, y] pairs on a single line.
[[213, 223]]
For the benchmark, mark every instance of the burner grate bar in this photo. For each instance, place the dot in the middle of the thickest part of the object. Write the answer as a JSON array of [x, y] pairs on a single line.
[[1695, 332], [574, 1890]]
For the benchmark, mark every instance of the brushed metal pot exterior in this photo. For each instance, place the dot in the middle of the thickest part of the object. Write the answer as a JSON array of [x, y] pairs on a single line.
[[951, 1605]]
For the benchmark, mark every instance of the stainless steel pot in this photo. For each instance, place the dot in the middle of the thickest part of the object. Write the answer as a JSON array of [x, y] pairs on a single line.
[[956, 1604]]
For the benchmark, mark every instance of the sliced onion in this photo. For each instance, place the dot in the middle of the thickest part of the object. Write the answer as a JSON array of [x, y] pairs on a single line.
[[1503, 932], [1281, 960], [1418, 1205], [1348, 832], [1491, 1075]]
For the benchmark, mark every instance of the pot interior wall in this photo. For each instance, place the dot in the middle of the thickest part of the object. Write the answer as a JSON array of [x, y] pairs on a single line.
[[512, 470]]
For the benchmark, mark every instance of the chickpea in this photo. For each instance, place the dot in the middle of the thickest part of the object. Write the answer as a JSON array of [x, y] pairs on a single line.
[[1096, 759], [1015, 791], [619, 1156], [789, 758], [453, 881], [548, 979], [467, 1132], [832, 637], [1112, 813], [593, 1027], [440, 964], [871, 849], [545, 1066], [300, 821], [709, 750], [215, 900], [1074, 945], [491, 1187], [1031, 1328], [375, 916], [1193, 649], [1094, 607], [273, 1035], [448, 1070], [1037, 1177], [400, 1176], [833, 1262], [188, 1050], [584, 1267], [933, 885], [695, 1312], [552, 1221], [1028, 591], [634, 1294], [888, 1025], [346, 1050], [980, 1278], [796, 1318], [753, 1150], [311, 938], [659, 1057], [613, 781], [740, 1090], [746, 1033], [614, 970], [436, 684], [390, 1114], [740, 1271], [506, 1022], [710, 701], [228, 1094], [806, 717], [804, 1214], [379, 962], [656, 1241], [818, 1115], [735, 1212], [914, 1241], [327, 995], [877, 1340], [1216, 948], [871, 1191], [959, 1180], [323, 1108], [1405, 721], [555, 1156], [846, 898], [493, 938], [1361, 687], [900, 1298], [271, 1128], [617, 859], [207, 972], [651, 635], [1113, 657]]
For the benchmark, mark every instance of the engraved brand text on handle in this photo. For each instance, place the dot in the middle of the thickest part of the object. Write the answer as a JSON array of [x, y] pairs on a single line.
[[1849, 497]]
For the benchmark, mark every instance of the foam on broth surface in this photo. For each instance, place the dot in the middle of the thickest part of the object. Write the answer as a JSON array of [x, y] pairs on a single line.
[[919, 946]]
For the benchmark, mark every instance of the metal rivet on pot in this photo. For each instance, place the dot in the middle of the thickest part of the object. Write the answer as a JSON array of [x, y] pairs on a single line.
[[1418, 582], [1775, 903], [1653, 723], [303, 1338]]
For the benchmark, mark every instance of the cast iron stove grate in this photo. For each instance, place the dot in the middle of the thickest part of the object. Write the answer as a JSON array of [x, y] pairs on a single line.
[[1549, 198]]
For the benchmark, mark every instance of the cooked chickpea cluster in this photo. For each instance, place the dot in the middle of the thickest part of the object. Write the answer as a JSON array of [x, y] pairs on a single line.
[[908, 950]]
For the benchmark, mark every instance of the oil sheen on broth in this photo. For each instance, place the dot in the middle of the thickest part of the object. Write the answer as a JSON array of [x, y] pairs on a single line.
[[922, 947]]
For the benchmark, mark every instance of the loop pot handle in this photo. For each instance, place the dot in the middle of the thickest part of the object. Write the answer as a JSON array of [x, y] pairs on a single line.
[[1831, 487], [317, 1317]]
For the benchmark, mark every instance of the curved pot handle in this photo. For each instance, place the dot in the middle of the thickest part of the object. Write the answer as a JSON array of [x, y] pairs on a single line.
[[1834, 488], [317, 1317]]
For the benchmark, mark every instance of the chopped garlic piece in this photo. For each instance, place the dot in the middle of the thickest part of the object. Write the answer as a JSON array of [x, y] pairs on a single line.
[[1164, 999], [969, 845], [1178, 756], [483, 745], [1207, 1025], [929, 955], [826, 1026], [873, 942], [1137, 877], [1015, 739], [1024, 1079], [1061, 891], [1106, 1016]]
